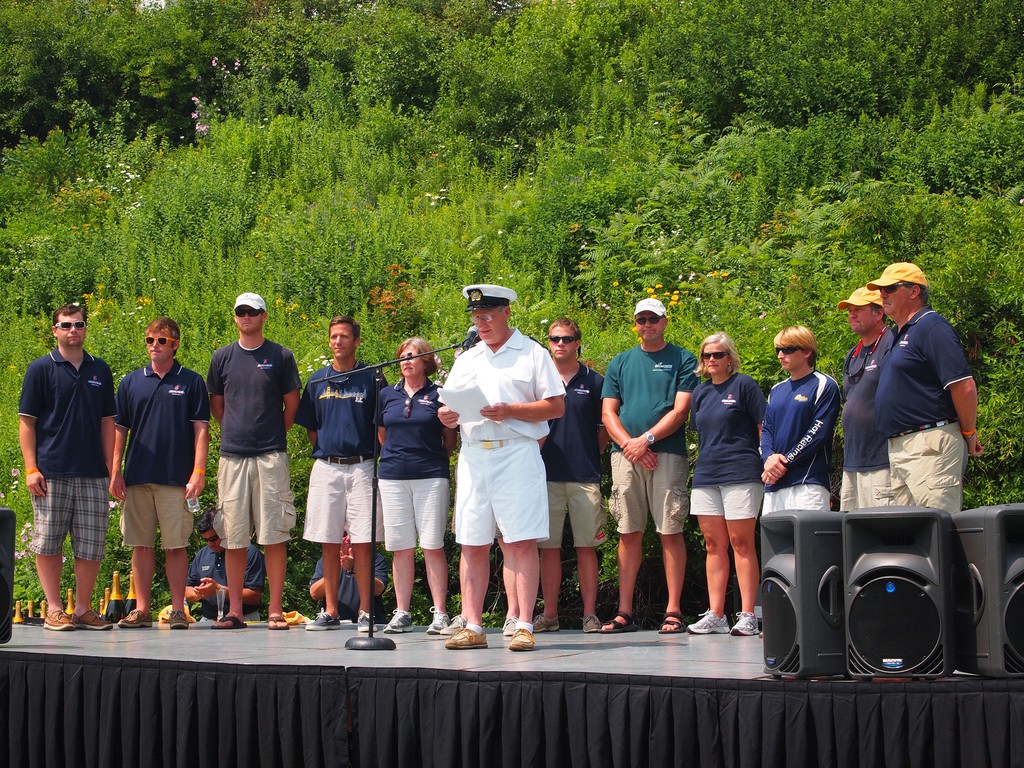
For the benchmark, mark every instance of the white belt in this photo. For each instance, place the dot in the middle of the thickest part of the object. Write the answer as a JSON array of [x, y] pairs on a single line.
[[490, 445]]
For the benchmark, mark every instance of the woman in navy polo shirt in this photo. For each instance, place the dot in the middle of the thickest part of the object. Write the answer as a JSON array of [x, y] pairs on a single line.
[[414, 482], [727, 410]]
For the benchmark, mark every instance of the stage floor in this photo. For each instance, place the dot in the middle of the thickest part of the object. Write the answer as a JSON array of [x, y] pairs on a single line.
[[635, 653]]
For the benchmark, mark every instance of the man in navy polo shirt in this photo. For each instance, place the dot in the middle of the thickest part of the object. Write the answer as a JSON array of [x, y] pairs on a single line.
[[337, 410], [163, 414], [348, 589], [572, 463], [927, 401], [66, 431], [865, 452], [208, 577]]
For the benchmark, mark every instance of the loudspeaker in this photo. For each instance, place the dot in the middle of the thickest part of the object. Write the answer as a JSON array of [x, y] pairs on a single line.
[[802, 593], [989, 603], [7, 526], [898, 571]]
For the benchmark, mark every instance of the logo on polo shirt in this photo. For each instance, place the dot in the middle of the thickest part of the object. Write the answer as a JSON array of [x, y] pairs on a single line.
[[667, 367], [801, 398], [177, 391], [729, 399], [581, 390], [266, 365], [905, 340], [95, 381]]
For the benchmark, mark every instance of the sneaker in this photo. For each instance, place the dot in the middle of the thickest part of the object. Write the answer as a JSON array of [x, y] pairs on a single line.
[[439, 624], [323, 621], [363, 623], [92, 620], [746, 625], [58, 621], [177, 620], [509, 628], [453, 626], [465, 639], [542, 623], [522, 640], [591, 623], [136, 619], [400, 622], [710, 624]]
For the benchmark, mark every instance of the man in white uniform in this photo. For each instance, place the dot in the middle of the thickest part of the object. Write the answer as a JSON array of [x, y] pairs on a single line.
[[500, 478]]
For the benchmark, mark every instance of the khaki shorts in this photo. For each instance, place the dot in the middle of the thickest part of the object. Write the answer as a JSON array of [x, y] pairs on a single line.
[[739, 501], [254, 497], [586, 514], [635, 491], [927, 468], [150, 505], [862, 490]]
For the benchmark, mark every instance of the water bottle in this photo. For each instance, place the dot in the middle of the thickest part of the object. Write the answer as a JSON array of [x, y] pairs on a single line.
[[193, 506]]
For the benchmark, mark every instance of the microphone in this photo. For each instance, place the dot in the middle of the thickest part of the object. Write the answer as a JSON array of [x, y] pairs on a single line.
[[472, 337]]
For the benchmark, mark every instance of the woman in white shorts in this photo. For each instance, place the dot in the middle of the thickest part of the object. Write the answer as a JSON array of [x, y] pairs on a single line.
[[727, 410], [414, 483]]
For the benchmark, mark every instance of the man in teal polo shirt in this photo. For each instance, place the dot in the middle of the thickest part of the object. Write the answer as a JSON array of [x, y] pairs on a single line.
[[646, 402]]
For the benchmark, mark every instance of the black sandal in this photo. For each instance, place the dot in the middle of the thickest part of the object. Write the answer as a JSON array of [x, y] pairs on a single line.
[[675, 623], [628, 625]]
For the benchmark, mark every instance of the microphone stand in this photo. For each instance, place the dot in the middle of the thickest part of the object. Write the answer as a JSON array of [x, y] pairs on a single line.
[[370, 642]]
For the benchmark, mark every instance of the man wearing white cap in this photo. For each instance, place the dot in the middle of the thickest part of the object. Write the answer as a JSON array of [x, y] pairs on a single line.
[[927, 400], [500, 477], [254, 394], [865, 449], [645, 403]]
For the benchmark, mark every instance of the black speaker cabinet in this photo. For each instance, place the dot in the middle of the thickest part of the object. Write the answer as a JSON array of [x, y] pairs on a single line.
[[989, 616], [802, 593], [898, 569], [7, 526]]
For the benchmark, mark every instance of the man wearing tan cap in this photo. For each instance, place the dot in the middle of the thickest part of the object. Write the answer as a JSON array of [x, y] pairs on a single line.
[[865, 449], [927, 401]]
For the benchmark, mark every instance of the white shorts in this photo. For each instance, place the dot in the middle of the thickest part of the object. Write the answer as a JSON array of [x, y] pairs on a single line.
[[501, 489], [740, 501], [796, 498], [340, 496], [411, 507]]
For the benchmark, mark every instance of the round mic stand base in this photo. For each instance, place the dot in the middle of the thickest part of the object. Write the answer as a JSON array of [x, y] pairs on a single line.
[[370, 644]]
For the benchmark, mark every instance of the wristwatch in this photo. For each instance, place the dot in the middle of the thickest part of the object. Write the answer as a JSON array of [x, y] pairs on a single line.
[[649, 436]]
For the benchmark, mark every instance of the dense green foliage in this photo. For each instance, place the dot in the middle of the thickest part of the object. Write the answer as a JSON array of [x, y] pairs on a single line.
[[750, 161]]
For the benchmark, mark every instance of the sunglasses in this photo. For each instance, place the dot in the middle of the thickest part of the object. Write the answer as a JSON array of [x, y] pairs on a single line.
[[715, 355], [247, 312], [891, 289], [161, 340], [408, 407], [562, 339], [652, 319], [212, 538], [787, 350], [485, 318], [67, 325]]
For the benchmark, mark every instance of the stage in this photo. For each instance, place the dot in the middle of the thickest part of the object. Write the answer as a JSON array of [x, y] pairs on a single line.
[[258, 698]]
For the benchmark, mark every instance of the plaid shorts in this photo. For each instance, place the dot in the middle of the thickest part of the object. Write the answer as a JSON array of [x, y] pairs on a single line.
[[72, 504]]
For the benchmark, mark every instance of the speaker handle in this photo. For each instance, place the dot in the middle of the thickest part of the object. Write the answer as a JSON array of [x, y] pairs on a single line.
[[828, 596], [977, 593]]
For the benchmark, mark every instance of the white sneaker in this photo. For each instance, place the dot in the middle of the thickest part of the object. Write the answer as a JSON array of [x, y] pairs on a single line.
[[710, 624], [440, 622], [400, 622], [509, 628], [456, 624], [363, 622], [746, 625]]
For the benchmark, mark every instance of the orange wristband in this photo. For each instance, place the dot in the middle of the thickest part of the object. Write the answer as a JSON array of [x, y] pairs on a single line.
[[200, 471], [31, 470]]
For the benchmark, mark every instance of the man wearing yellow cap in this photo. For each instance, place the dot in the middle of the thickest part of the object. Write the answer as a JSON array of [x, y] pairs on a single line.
[[865, 449], [927, 401]]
